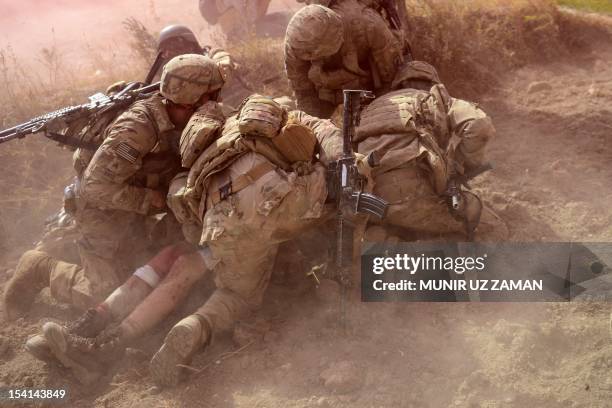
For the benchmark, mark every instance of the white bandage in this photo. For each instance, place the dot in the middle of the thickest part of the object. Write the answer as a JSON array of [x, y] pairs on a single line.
[[147, 274], [208, 257]]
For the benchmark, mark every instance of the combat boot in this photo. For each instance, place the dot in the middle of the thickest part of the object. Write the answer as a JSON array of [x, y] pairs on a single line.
[[74, 352], [38, 347], [89, 325], [31, 276], [183, 341]]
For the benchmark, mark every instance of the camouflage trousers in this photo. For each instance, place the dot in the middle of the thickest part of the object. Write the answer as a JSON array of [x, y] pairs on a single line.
[[243, 233], [110, 245], [60, 238], [417, 211]]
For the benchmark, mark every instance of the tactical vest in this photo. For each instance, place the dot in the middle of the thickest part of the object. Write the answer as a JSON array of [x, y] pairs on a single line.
[[158, 166], [260, 127], [418, 115]]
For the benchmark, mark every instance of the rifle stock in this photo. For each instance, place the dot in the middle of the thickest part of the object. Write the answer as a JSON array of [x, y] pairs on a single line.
[[70, 114]]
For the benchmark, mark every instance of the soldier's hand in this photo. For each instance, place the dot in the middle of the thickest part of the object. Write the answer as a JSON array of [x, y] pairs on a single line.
[[225, 62], [158, 200]]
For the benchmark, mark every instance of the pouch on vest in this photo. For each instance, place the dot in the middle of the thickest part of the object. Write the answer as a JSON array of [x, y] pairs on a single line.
[[296, 142], [177, 199], [392, 113], [201, 130], [261, 116], [434, 159]]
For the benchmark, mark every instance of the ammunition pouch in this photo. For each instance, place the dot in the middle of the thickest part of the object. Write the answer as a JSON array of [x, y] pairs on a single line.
[[261, 116], [177, 200], [264, 118], [200, 132]]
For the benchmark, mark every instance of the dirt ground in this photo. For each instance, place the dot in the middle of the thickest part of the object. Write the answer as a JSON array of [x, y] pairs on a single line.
[[552, 182]]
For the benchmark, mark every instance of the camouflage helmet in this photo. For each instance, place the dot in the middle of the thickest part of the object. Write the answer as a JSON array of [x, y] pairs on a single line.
[[187, 77], [416, 70], [177, 31], [315, 32]]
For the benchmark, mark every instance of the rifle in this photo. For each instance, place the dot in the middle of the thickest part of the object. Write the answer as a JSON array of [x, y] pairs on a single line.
[[83, 116], [396, 21], [346, 189], [453, 192], [157, 64]]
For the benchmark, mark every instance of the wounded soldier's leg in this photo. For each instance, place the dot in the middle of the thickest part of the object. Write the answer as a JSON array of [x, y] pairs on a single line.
[[118, 304], [241, 281], [128, 296], [173, 289]]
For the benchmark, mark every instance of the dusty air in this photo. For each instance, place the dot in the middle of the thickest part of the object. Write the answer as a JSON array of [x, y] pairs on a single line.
[[190, 190]]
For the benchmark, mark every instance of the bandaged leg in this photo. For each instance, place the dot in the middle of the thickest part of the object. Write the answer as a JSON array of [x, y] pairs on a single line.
[[184, 273], [125, 298]]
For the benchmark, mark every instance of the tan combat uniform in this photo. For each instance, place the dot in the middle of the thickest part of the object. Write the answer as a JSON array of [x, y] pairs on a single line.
[[236, 18], [272, 202], [368, 59], [138, 155], [415, 135]]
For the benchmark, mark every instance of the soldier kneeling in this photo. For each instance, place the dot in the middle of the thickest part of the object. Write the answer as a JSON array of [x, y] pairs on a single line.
[[421, 146], [254, 182]]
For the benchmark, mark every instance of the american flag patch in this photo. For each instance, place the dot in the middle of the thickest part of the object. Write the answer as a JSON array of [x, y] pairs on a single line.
[[127, 152]]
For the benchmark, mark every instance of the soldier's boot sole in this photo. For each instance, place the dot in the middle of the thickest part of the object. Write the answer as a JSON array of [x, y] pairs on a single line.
[[31, 276], [38, 347], [180, 344], [56, 337]]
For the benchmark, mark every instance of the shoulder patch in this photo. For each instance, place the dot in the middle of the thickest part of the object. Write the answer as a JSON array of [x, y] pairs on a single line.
[[127, 152]]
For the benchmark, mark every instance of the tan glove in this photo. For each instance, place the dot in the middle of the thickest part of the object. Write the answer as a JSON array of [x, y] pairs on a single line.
[[365, 169], [225, 62]]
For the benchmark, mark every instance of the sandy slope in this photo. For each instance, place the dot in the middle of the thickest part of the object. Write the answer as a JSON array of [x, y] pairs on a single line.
[[552, 182]]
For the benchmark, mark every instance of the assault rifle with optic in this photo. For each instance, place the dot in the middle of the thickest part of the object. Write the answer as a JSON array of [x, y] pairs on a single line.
[[62, 125]]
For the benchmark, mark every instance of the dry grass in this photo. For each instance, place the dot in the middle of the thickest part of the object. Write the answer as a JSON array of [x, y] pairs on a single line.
[[599, 6], [476, 43], [34, 170], [261, 65], [473, 43]]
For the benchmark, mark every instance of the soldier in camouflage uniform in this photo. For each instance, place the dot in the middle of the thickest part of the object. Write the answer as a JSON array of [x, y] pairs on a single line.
[[419, 138], [393, 12], [125, 182], [244, 195], [236, 18], [61, 234], [175, 40], [347, 47]]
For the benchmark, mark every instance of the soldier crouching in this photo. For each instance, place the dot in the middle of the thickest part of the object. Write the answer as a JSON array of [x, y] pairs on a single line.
[[254, 182], [125, 181], [422, 144]]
